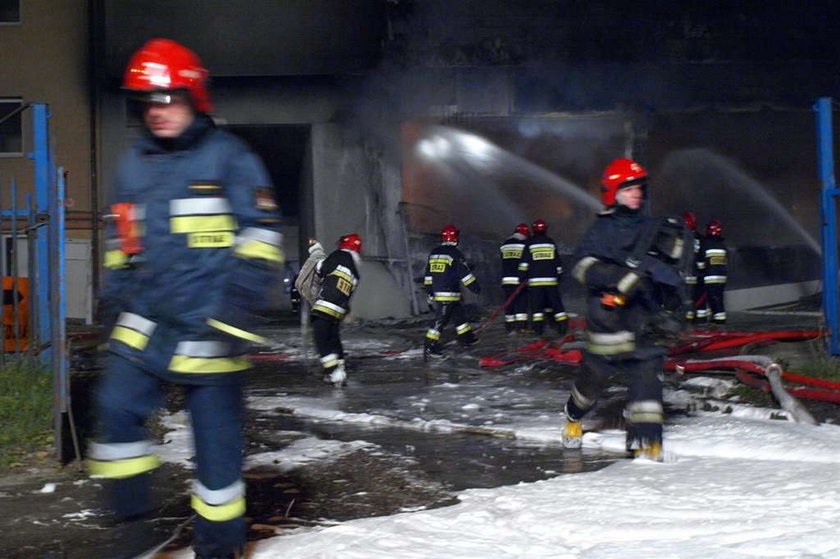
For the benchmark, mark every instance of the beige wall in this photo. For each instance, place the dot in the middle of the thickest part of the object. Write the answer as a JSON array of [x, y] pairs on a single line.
[[45, 59]]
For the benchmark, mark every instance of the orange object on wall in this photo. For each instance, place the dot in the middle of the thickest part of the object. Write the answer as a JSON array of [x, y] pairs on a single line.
[[15, 339]]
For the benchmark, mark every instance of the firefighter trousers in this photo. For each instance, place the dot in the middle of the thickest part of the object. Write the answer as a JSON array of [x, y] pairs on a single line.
[[327, 341], [544, 298], [644, 413], [516, 313], [125, 398], [444, 313], [717, 310]]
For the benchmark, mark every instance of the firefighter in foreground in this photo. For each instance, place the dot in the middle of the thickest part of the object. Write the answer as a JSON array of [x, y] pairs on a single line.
[[715, 267], [513, 252], [446, 271], [339, 277], [542, 269], [621, 280], [190, 259]]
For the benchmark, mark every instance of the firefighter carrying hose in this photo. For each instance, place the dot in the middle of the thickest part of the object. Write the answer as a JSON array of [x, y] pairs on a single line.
[[622, 280], [339, 277], [446, 271], [190, 259], [513, 252], [542, 269]]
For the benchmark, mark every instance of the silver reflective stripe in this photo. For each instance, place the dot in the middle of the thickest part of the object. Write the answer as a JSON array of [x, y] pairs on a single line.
[[119, 451], [203, 349], [560, 316], [219, 496], [461, 328], [627, 282], [267, 236], [441, 257], [510, 280], [521, 316], [714, 279], [328, 305], [514, 246], [583, 265], [447, 293], [615, 338], [715, 252], [137, 323], [533, 281], [199, 206], [582, 401], [540, 245]]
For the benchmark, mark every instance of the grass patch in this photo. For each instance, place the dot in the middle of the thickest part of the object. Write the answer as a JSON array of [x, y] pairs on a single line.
[[25, 410]]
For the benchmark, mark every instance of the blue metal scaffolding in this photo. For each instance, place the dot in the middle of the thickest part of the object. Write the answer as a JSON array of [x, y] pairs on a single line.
[[830, 193]]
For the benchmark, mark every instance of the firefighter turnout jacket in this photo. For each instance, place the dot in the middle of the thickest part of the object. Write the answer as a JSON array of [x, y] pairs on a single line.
[[714, 254], [209, 250], [541, 263], [619, 298], [340, 277], [513, 251], [446, 271]]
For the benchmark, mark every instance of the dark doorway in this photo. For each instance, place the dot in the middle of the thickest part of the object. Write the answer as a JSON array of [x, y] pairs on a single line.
[[282, 149]]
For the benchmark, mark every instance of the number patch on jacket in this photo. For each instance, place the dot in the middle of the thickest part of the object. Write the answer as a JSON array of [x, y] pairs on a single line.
[[344, 286]]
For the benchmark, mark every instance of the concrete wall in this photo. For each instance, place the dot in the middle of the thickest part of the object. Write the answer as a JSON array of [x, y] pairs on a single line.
[[45, 60]]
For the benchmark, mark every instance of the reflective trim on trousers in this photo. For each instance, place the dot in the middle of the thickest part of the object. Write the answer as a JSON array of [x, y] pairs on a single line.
[[645, 411], [433, 334], [329, 361], [463, 328]]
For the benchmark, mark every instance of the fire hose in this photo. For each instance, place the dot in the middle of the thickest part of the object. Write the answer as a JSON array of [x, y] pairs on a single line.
[[501, 307]]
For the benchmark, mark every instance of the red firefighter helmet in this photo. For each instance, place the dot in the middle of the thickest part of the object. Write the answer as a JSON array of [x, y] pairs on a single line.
[[351, 241], [690, 220], [449, 234], [162, 64], [621, 173], [714, 228], [523, 230], [539, 226]]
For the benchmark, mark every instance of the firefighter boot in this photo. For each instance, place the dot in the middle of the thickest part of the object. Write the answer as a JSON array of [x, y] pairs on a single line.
[[338, 376], [572, 434], [649, 450]]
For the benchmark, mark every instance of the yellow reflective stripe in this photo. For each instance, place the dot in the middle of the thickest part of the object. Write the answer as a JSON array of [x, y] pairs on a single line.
[[447, 297], [118, 469], [115, 259], [237, 332], [212, 239], [219, 513], [258, 249], [539, 282], [433, 334], [343, 275], [130, 337], [207, 365], [610, 349], [320, 306], [202, 223]]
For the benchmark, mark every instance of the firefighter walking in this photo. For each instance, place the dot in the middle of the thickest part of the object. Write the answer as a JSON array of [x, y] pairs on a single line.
[[715, 269], [542, 269], [339, 273], [621, 305], [513, 252], [446, 271], [199, 250]]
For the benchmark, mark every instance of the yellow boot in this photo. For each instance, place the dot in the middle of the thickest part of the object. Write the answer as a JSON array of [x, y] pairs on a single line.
[[572, 433]]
